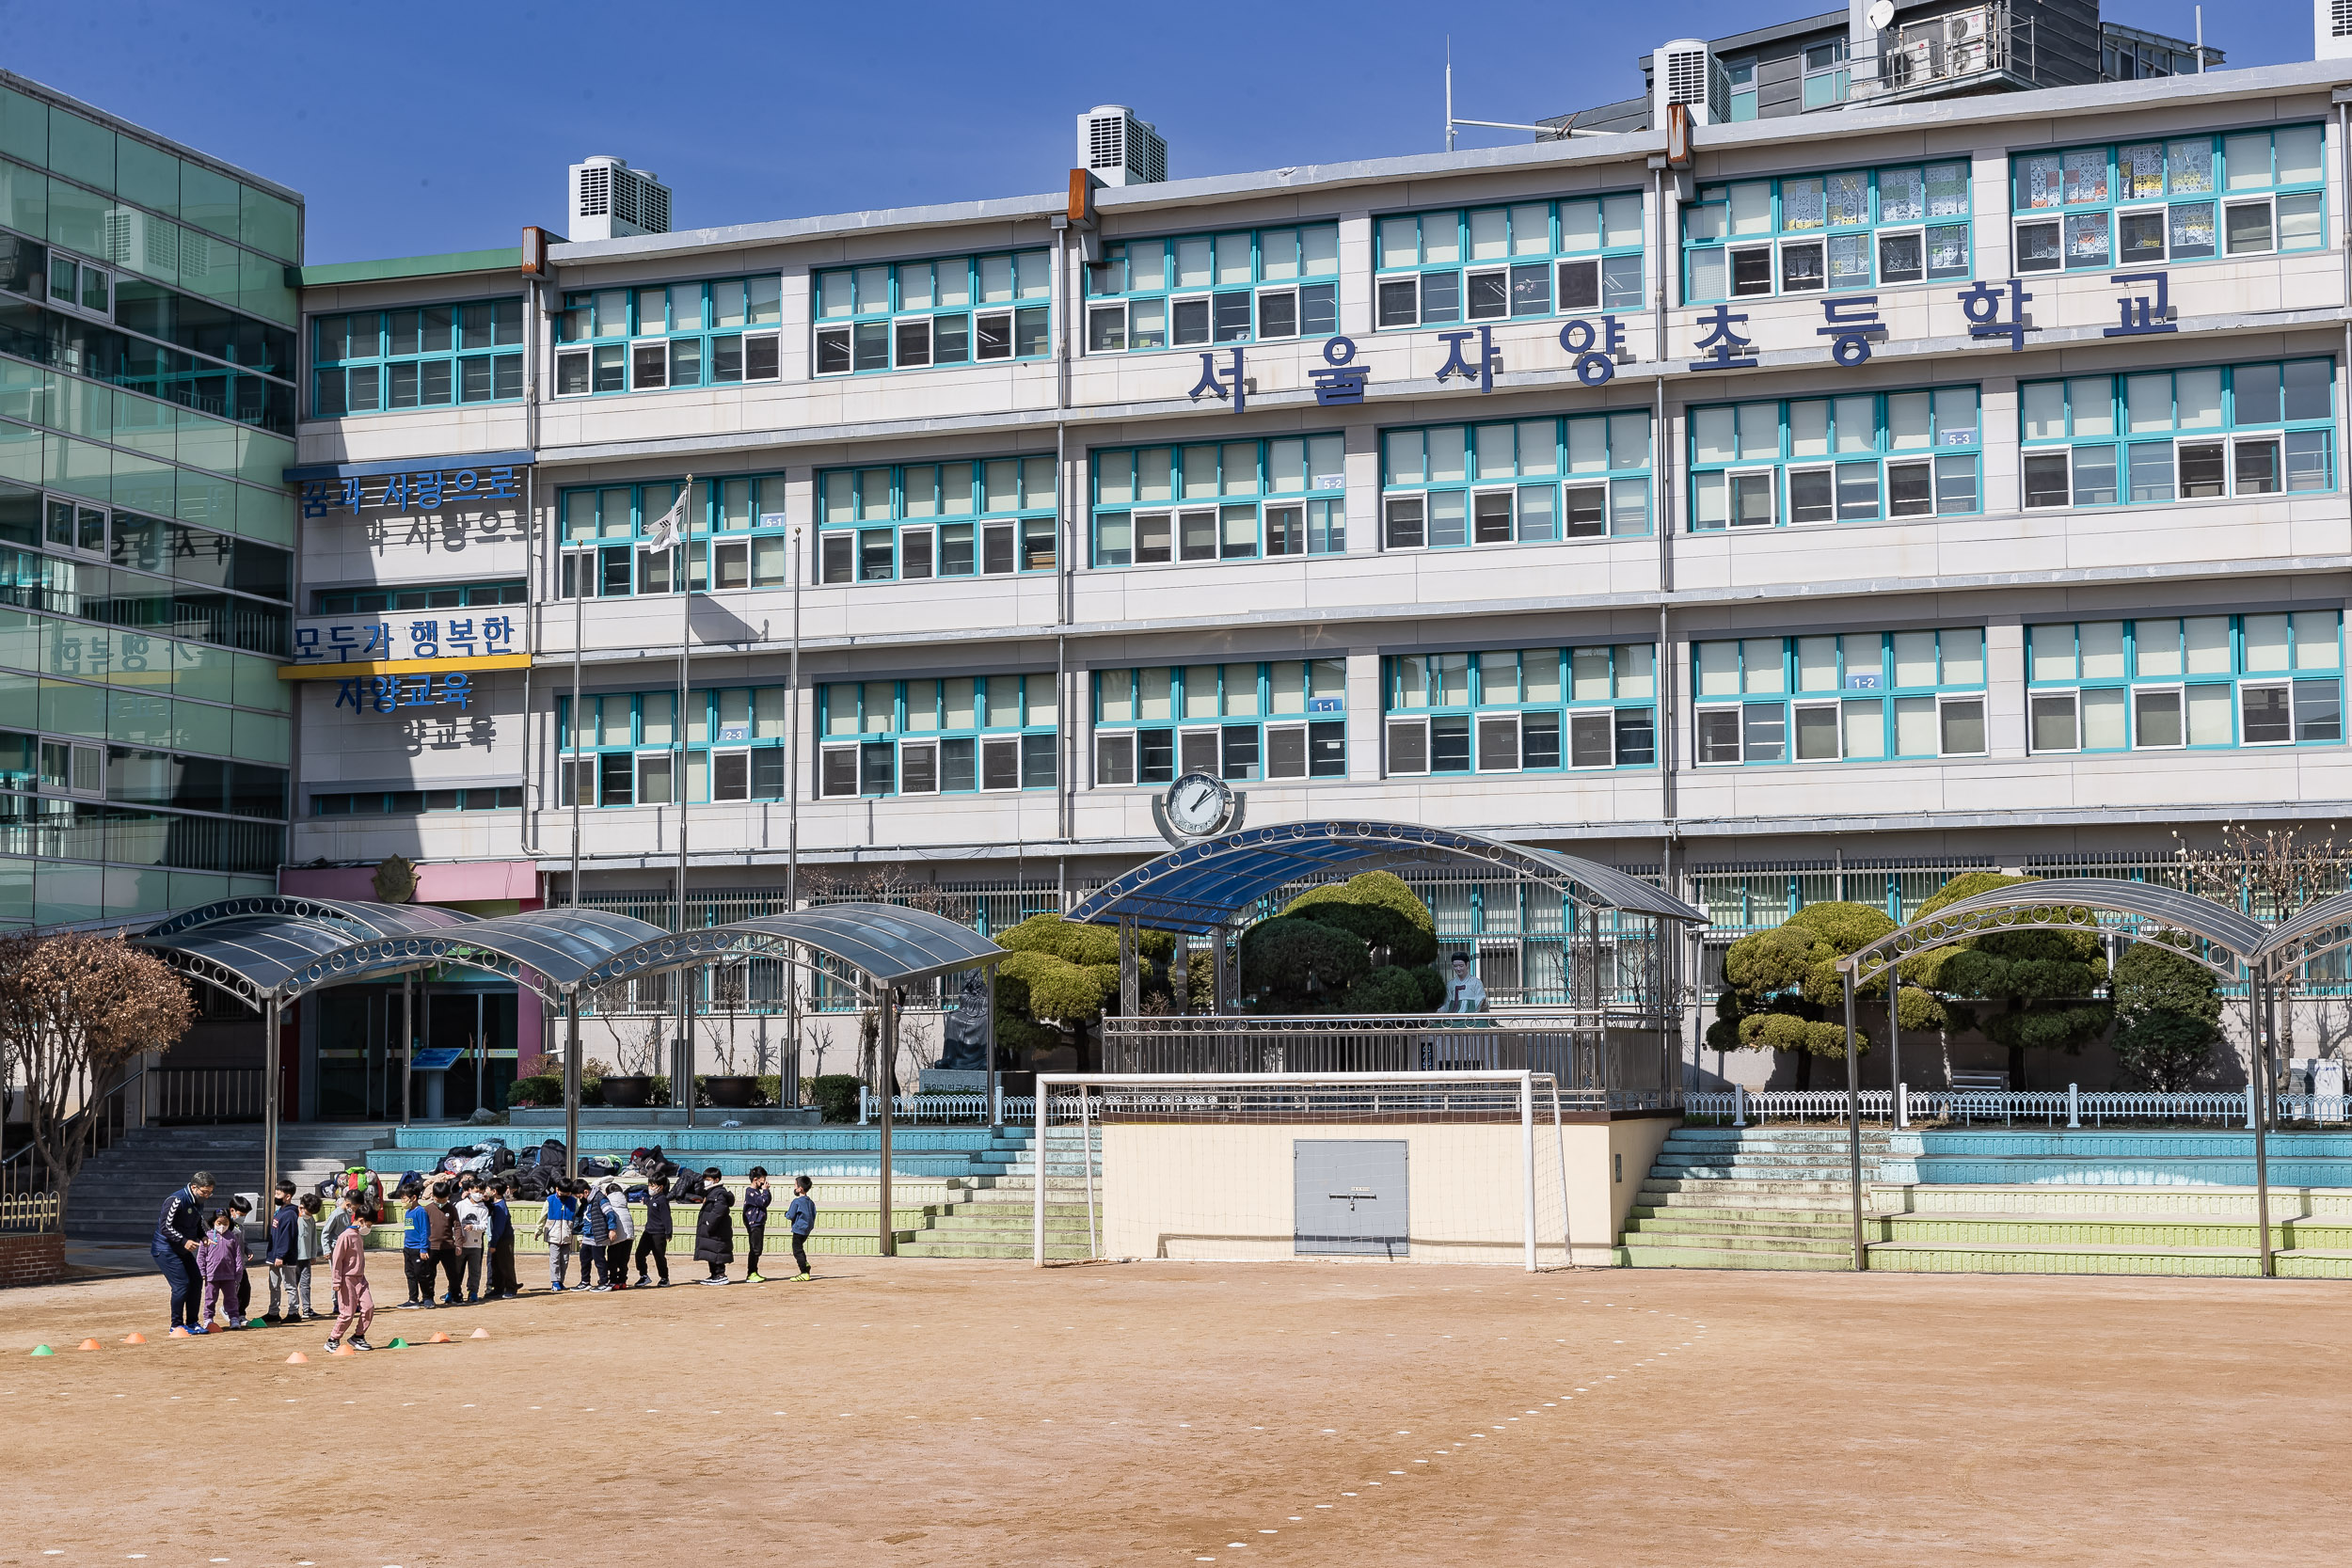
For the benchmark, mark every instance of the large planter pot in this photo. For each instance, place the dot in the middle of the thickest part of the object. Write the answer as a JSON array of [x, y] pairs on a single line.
[[628, 1091], [732, 1092]]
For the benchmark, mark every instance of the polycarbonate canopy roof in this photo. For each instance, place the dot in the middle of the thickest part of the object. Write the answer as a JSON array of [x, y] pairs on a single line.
[[553, 951], [1203, 886], [890, 944], [2074, 903], [251, 947]]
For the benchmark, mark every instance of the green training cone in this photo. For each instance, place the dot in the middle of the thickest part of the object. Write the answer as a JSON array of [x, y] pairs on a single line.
[[257, 1322], [397, 1343], [43, 1349]]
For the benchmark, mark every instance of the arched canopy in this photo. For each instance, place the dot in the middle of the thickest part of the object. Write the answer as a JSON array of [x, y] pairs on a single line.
[[2211, 934], [1203, 886], [552, 951], [2311, 932], [888, 943], [251, 947]]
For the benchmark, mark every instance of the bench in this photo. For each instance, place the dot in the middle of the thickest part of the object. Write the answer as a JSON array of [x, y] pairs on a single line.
[[1976, 1093]]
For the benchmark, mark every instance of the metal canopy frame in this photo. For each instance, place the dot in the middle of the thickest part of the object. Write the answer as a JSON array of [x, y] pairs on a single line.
[[1199, 889], [887, 945], [2222, 939]]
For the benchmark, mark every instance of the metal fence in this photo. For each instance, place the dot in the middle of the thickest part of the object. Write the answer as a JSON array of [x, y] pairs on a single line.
[[26, 1202], [2071, 1108], [227, 1094]]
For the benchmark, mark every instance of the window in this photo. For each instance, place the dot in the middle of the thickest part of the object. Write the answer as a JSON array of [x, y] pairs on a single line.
[[81, 287], [168, 580], [936, 521], [1742, 76], [1199, 290], [734, 528], [2186, 682], [1284, 720], [1842, 459], [717, 333], [2185, 198], [422, 357], [1224, 500], [1855, 697], [1522, 710], [1526, 481], [1494, 264], [950, 311], [2192, 434], [390, 802], [1828, 78], [936, 737], [626, 746], [1855, 229], [363, 601]]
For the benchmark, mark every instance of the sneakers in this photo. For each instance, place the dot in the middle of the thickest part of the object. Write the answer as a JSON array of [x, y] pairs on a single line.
[[718, 1279], [333, 1345], [557, 1290], [642, 1280], [199, 1328], [412, 1306], [754, 1279], [361, 1344], [663, 1285], [801, 1277], [599, 1289]]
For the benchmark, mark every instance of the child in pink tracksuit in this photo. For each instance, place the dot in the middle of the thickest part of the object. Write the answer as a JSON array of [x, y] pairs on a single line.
[[355, 1307], [220, 1262]]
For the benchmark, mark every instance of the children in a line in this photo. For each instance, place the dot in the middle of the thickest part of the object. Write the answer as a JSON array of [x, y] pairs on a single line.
[[623, 1232], [221, 1259], [714, 1228], [355, 1307], [502, 1281], [653, 1240], [558, 1219], [801, 1215], [474, 1234]]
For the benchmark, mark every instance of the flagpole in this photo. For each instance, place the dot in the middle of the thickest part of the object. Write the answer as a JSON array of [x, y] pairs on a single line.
[[682, 1076], [792, 821]]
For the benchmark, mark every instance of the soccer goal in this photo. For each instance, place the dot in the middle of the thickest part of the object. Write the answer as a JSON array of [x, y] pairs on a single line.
[[1452, 1167]]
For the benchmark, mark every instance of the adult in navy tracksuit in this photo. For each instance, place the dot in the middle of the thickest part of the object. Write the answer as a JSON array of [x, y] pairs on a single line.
[[177, 1230]]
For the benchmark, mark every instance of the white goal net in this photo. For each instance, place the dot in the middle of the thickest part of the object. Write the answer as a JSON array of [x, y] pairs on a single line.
[[1454, 1167]]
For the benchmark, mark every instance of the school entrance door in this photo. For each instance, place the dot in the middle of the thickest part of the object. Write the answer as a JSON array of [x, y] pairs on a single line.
[[362, 1065]]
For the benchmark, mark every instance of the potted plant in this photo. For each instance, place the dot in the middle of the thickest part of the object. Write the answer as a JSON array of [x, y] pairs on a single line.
[[631, 1088], [729, 1089]]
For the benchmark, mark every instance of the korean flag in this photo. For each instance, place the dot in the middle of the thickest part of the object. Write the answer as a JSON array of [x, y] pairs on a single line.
[[665, 532]]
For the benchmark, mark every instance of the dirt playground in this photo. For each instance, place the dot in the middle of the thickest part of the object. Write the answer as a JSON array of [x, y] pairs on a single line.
[[920, 1411]]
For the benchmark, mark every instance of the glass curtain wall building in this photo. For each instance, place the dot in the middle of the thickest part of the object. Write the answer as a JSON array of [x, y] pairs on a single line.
[[148, 369]]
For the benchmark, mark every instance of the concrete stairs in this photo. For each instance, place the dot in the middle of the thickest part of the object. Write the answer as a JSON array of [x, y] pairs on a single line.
[[824, 1154], [120, 1190], [999, 1218], [1749, 1198]]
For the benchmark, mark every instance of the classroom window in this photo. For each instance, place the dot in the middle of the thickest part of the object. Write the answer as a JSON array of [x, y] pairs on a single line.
[[1273, 721], [921, 520], [947, 310], [735, 537], [629, 748], [984, 732], [1525, 482], [713, 333], [2169, 200], [2148, 436], [1200, 289], [1837, 459], [1572, 257], [1851, 228], [1850, 697], [1222, 500], [2184, 682], [420, 357], [1518, 710]]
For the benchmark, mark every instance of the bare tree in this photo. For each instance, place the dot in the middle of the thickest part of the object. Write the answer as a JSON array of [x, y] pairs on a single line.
[[74, 1010], [728, 992], [2269, 873]]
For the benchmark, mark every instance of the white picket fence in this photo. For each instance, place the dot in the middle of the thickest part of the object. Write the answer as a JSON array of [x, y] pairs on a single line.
[[944, 1110], [2070, 1107]]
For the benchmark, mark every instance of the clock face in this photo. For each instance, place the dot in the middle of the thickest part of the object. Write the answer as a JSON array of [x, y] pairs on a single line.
[[1198, 805]]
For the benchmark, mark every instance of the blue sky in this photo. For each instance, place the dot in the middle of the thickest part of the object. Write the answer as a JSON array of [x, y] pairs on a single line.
[[428, 126]]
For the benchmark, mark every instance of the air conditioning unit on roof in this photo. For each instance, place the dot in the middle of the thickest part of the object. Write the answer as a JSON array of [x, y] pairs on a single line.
[[1685, 71], [611, 200], [1120, 149]]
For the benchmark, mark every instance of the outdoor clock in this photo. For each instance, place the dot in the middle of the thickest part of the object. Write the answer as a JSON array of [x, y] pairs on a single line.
[[1196, 806]]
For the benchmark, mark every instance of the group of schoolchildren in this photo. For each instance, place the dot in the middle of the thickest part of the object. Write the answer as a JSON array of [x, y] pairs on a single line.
[[452, 1229]]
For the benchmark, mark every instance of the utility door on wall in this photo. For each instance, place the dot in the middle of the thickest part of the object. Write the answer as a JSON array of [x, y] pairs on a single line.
[[1351, 1196]]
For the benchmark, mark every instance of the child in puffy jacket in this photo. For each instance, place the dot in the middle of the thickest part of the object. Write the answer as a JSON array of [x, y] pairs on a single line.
[[220, 1262]]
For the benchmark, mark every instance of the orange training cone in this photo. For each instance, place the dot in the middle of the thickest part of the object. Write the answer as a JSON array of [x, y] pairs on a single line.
[[297, 1359], [438, 1340], [479, 1333], [90, 1344], [177, 1331], [345, 1350], [135, 1339]]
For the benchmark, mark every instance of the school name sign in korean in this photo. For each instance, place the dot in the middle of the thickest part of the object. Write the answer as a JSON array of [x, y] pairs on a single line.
[[491, 480]]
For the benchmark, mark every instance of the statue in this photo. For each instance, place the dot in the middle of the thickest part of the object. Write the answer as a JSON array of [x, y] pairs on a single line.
[[965, 1034]]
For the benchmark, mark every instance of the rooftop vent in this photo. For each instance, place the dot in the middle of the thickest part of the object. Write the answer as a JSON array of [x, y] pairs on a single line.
[[611, 200], [1685, 72], [2331, 21], [1120, 149]]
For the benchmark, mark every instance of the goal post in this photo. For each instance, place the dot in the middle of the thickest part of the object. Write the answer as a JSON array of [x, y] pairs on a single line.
[[1441, 1167]]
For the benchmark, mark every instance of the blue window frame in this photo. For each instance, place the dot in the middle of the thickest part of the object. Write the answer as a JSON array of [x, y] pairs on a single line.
[[1242, 286], [918, 520], [449, 595], [627, 747], [403, 802], [2187, 682], [736, 537], [419, 357], [2189, 435], [1851, 228], [984, 732], [1570, 257], [2187, 198], [1221, 500], [1828, 74], [1522, 711], [715, 332], [1526, 481], [1858, 697], [1286, 719], [1836, 459], [947, 310]]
